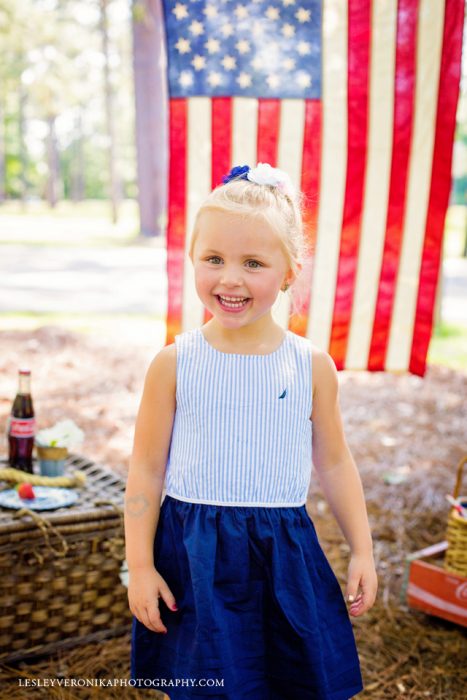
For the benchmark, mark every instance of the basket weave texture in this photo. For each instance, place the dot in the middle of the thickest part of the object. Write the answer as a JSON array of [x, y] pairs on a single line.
[[456, 534], [60, 569]]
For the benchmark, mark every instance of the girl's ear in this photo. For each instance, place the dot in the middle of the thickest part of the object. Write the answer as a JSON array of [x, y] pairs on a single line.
[[291, 276]]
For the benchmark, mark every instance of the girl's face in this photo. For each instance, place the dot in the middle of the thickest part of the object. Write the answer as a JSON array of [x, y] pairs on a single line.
[[240, 258]]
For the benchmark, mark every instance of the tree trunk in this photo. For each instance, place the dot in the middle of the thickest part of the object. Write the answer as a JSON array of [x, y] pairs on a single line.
[[109, 113], [52, 162], [151, 105], [2, 152], [77, 171], [21, 145]]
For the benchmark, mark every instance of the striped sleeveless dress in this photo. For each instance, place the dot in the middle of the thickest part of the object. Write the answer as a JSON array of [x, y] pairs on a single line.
[[261, 613]]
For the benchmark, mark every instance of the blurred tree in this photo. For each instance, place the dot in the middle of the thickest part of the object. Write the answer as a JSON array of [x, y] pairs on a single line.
[[109, 110], [60, 61], [151, 114]]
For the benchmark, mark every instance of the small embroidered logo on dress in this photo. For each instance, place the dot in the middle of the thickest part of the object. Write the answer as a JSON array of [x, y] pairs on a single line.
[[283, 394]]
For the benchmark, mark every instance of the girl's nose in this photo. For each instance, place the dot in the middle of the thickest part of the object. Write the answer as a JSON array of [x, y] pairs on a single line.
[[231, 277]]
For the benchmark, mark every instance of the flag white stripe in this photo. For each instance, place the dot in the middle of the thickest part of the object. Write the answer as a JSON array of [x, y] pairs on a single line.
[[429, 49], [333, 171], [244, 130], [198, 187], [289, 158], [377, 180]]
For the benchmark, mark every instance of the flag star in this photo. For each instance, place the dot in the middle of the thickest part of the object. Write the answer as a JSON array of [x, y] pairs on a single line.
[[273, 47], [286, 3], [288, 64], [186, 78], [229, 62], [180, 11], [212, 45], [258, 28], [257, 63], [199, 62], [273, 80], [272, 12], [288, 30], [183, 45], [303, 79], [196, 28], [303, 48], [242, 46], [214, 78], [241, 11], [302, 15], [244, 80], [210, 11], [227, 29]]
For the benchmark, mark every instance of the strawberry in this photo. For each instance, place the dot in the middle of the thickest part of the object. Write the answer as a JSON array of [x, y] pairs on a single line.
[[25, 491]]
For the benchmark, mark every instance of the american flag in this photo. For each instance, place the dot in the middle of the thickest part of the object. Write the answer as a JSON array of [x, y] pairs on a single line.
[[356, 100]]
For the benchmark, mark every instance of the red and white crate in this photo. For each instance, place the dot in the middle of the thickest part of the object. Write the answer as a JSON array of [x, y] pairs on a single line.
[[429, 587]]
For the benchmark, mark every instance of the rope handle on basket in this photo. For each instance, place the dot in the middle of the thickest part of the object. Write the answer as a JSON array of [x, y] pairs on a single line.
[[115, 506], [45, 526], [114, 545], [460, 468]]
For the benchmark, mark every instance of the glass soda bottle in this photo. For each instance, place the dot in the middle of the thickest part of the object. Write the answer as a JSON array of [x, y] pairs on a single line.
[[21, 427]]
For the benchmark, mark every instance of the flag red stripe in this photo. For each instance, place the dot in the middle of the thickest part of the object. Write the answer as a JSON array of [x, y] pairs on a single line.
[[358, 74], [407, 16], [310, 184], [269, 112], [176, 214], [440, 182], [221, 148]]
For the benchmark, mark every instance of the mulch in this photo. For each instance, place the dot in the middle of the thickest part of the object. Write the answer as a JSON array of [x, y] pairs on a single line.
[[407, 426]]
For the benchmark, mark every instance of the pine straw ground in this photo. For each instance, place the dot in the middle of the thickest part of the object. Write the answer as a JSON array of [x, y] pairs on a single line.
[[405, 423]]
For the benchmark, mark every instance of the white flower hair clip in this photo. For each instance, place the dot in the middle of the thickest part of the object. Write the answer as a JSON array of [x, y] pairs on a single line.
[[262, 174]]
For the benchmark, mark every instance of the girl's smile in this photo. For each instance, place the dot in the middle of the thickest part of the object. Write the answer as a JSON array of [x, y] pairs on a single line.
[[232, 304]]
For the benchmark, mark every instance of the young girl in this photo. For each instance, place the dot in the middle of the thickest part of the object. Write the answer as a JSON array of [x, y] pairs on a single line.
[[231, 594]]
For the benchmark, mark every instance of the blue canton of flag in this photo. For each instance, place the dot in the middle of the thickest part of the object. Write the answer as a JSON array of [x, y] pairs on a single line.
[[256, 49]]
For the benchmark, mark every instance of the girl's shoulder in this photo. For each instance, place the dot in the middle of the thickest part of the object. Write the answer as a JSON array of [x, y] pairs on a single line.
[[163, 368], [317, 355], [320, 362], [325, 378]]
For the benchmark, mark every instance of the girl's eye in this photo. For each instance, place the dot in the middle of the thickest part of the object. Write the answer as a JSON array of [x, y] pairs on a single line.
[[213, 257], [255, 263]]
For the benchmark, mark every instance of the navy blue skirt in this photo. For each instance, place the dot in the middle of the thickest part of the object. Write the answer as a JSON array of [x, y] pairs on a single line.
[[261, 613]]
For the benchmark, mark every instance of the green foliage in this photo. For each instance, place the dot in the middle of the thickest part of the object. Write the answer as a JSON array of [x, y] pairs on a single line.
[[51, 53], [447, 346]]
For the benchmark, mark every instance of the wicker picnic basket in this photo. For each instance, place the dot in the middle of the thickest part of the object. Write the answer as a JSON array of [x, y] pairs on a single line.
[[456, 535], [61, 570]]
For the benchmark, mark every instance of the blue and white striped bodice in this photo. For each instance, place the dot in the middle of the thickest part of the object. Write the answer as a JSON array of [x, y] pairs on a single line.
[[242, 430]]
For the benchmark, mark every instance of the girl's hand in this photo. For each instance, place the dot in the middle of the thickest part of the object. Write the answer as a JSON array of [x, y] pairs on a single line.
[[145, 588], [361, 572]]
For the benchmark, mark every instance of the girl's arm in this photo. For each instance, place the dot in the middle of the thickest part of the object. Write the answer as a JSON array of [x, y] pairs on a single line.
[[148, 461], [340, 481]]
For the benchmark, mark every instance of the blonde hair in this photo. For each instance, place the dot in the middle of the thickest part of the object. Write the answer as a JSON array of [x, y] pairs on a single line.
[[283, 213]]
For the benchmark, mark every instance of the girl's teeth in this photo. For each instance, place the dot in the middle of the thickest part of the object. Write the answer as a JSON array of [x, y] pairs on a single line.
[[232, 304]]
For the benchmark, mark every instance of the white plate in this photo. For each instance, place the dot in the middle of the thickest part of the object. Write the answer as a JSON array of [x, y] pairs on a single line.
[[47, 498]]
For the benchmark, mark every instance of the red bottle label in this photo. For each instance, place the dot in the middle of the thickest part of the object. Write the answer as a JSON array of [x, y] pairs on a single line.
[[22, 427]]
